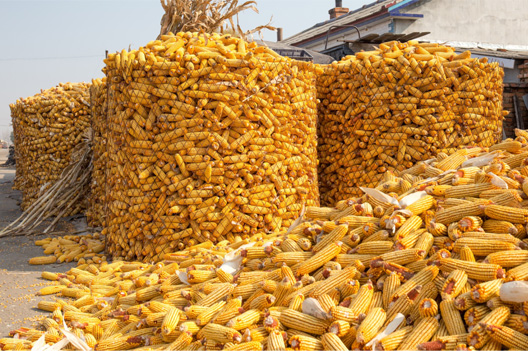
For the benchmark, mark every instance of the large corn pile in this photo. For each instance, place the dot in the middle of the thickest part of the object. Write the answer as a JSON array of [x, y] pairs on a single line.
[[96, 209], [390, 108], [47, 128], [209, 138], [435, 259]]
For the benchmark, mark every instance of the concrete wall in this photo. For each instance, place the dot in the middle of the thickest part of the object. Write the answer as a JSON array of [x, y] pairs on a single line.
[[485, 21]]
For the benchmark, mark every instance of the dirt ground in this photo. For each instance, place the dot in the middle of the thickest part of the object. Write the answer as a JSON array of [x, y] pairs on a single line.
[[19, 281]]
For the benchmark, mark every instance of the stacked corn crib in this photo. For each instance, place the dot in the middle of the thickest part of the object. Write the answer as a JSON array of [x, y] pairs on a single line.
[[48, 126], [210, 138], [96, 209], [402, 103], [424, 265]]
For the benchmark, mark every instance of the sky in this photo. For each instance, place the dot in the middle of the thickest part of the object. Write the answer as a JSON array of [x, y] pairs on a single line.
[[46, 42]]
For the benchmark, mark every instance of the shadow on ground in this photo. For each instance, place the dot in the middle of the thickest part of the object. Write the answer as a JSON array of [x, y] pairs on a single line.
[[19, 281]]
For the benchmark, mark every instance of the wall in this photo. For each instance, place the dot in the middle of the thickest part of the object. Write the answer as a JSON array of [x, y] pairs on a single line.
[[511, 90], [523, 71], [484, 21]]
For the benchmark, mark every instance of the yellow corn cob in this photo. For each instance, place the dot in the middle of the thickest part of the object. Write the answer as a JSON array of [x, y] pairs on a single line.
[[302, 342], [474, 270], [303, 322], [393, 340], [475, 314], [276, 341], [478, 336], [482, 292], [48, 290], [331, 341], [503, 213], [508, 258], [507, 336], [422, 332], [428, 308], [518, 273], [221, 333], [319, 259], [370, 325], [43, 260], [454, 284], [452, 318]]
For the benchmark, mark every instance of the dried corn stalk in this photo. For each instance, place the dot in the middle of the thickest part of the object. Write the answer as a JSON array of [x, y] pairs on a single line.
[[289, 291], [205, 16], [387, 109], [209, 138], [67, 195], [48, 126]]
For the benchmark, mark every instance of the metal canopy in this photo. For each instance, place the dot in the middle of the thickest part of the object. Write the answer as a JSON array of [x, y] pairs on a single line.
[[380, 38]]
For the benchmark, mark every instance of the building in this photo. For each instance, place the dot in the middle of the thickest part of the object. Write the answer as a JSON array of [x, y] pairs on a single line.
[[489, 23], [488, 28]]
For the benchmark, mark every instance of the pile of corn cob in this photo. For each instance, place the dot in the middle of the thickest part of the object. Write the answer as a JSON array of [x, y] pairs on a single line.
[[402, 103], [209, 138], [83, 249], [96, 210], [424, 255], [47, 127]]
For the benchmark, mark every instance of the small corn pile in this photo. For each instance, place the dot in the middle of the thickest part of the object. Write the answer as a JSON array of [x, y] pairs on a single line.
[[387, 109], [48, 126], [96, 210], [209, 138], [83, 249], [416, 264]]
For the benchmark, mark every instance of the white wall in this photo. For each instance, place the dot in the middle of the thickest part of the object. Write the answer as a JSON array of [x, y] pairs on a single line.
[[485, 21]]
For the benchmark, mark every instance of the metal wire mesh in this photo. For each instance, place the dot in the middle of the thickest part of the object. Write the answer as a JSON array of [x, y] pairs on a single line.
[[385, 110], [209, 138], [96, 211], [47, 127]]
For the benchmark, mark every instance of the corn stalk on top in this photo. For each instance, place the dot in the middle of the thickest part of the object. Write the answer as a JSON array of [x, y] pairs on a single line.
[[47, 127], [402, 103], [292, 292], [210, 137]]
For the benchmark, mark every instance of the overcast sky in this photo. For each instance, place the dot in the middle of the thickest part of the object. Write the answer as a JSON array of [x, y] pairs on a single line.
[[45, 42]]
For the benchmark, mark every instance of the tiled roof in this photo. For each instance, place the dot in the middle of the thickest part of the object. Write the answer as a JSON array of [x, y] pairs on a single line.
[[352, 16]]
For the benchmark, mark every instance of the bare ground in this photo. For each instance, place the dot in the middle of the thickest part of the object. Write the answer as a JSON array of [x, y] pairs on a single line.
[[19, 281]]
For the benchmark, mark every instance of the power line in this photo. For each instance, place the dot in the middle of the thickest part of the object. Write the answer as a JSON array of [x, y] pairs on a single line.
[[49, 58]]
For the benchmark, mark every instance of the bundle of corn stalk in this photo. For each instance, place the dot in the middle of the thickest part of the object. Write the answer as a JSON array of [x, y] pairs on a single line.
[[66, 196], [209, 138], [205, 16], [389, 108], [198, 16], [96, 212], [422, 262], [47, 128], [83, 249]]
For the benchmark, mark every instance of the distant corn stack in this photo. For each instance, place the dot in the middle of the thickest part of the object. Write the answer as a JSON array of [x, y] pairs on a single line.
[[96, 210], [47, 128], [209, 138], [387, 109]]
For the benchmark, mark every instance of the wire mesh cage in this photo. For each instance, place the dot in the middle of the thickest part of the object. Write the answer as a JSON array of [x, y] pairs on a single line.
[[385, 110], [47, 127], [96, 210], [209, 138]]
